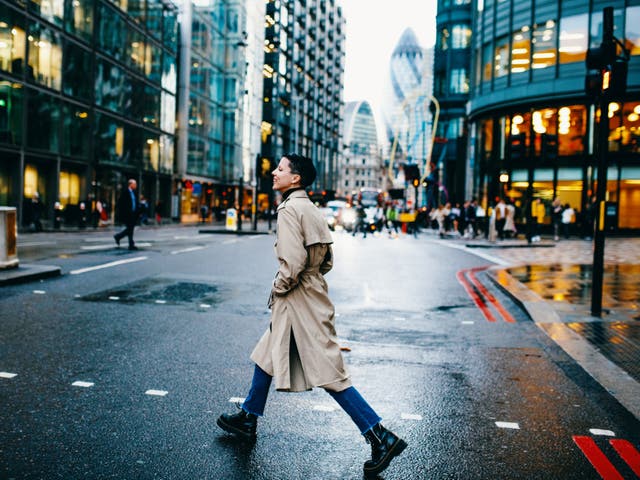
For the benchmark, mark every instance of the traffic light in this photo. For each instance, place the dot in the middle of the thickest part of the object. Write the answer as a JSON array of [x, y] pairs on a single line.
[[607, 72]]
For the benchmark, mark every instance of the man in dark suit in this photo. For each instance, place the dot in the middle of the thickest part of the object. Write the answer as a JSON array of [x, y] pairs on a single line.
[[128, 209]]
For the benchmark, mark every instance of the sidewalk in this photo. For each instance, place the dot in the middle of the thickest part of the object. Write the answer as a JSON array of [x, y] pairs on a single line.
[[552, 282]]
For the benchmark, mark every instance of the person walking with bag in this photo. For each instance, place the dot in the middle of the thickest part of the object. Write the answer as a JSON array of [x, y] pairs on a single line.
[[300, 351]]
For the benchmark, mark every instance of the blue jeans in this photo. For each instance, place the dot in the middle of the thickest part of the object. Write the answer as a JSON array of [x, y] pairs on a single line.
[[349, 399]]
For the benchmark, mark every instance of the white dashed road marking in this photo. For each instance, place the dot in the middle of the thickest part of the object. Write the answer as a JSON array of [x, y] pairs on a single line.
[[511, 425], [107, 265], [157, 393], [606, 433], [186, 250], [114, 298], [39, 292], [236, 400], [83, 384], [7, 375]]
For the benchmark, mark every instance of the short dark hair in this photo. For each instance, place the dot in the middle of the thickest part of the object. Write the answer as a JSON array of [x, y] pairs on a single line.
[[302, 166]]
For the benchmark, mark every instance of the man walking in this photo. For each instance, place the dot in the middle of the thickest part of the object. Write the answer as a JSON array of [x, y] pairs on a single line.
[[128, 210]]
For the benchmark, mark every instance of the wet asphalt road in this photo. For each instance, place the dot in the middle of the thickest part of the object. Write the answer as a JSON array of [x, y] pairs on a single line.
[[180, 318]]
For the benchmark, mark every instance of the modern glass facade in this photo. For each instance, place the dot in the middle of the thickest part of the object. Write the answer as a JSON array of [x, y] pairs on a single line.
[[361, 165], [528, 108], [303, 77], [87, 99], [451, 83], [210, 159]]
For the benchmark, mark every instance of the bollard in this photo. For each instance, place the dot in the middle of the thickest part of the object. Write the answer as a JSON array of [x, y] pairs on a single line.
[[8, 238]]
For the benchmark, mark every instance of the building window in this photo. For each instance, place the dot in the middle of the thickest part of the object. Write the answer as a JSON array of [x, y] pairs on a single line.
[[501, 57], [574, 36], [79, 18], [443, 39], [11, 112], [12, 41], [460, 36], [544, 45], [596, 26], [77, 76], [632, 30], [572, 123], [521, 50], [487, 62], [45, 56], [43, 117], [51, 10], [459, 81]]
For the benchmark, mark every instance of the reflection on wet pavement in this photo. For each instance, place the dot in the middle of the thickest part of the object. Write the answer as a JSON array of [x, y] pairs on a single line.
[[572, 283]]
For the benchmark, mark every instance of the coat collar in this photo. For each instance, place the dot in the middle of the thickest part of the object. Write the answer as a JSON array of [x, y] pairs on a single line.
[[295, 194]]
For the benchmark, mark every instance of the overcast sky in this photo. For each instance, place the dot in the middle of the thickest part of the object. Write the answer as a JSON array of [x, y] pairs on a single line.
[[373, 30]]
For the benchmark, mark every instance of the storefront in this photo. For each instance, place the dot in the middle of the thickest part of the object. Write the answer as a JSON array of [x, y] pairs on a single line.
[[555, 145]]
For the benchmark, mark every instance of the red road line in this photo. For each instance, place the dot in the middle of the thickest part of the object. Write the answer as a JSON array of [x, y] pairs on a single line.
[[475, 297], [628, 453], [505, 314], [597, 458]]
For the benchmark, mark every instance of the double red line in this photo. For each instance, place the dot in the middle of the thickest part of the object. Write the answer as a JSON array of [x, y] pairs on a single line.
[[601, 463], [482, 297]]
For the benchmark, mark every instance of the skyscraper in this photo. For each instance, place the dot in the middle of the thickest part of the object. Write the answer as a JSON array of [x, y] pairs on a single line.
[[406, 105], [361, 165], [303, 77]]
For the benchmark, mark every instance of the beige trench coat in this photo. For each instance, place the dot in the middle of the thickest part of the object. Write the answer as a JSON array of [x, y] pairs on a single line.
[[300, 348]]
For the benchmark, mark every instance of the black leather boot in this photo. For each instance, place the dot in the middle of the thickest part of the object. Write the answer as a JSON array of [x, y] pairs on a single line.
[[384, 446], [242, 424]]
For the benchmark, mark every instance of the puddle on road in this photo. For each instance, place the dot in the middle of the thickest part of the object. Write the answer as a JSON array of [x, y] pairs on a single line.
[[572, 283], [161, 291]]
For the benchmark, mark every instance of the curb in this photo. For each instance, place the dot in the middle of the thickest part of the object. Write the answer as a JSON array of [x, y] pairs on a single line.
[[28, 273], [624, 388]]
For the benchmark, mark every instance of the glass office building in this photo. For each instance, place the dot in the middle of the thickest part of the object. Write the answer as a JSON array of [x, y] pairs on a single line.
[[211, 101], [303, 78], [528, 108], [452, 68], [87, 100]]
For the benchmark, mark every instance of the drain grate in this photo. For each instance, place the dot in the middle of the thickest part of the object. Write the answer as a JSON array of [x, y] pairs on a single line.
[[160, 291]]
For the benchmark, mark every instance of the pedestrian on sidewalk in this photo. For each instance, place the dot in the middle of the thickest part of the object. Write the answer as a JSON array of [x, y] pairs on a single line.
[[567, 218], [300, 350], [129, 210]]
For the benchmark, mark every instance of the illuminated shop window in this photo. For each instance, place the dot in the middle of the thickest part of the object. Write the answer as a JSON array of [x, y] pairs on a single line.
[[572, 121], [521, 50], [69, 188], [544, 45], [574, 38]]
